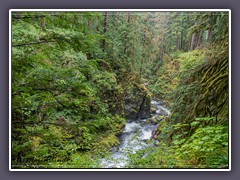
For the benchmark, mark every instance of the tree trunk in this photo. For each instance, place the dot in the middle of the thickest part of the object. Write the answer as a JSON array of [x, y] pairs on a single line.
[[105, 30], [127, 22], [193, 41], [181, 41], [142, 59], [161, 54], [162, 46], [127, 17], [208, 34], [199, 39], [105, 22], [177, 41]]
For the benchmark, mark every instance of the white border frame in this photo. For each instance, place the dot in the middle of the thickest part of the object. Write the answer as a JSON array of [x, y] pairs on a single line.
[[119, 10]]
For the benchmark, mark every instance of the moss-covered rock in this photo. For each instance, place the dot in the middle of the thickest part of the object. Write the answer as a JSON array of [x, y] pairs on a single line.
[[152, 121], [104, 143], [155, 120], [153, 109], [137, 102]]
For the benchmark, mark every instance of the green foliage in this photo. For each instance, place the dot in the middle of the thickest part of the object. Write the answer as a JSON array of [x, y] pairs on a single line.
[[208, 146], [190, 61], [197, 92], [73, 71], [168, 78], [161, 156], [59, 91]]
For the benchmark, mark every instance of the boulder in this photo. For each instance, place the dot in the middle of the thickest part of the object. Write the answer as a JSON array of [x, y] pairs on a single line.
[[154, 134], [162, 112], [153, 110], [152, 121], [137, 102], [155, 120], [159, 118]]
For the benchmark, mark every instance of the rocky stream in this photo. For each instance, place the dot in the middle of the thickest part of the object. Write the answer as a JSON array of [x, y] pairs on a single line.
[[135, 137]]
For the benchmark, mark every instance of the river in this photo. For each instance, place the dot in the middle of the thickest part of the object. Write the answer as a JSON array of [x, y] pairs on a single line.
[[134, 138]]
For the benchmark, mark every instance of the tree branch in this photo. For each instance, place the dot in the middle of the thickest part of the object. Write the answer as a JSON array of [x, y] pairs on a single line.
[[32, 43], [57, 99], [33, 17]]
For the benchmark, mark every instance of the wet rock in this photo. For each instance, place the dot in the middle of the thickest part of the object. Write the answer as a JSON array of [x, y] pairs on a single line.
[[155, 120], [153, 110], [114, 149], [137, 103], [161, 112], [130, 111], [152, 121], [156, 142], [154, 135], [159, 118]]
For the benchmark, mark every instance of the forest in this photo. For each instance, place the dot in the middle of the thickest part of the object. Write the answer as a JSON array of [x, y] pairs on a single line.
[[120, 89]]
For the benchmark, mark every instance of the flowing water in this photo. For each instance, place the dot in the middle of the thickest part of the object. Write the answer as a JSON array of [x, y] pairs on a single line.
[[134, 138]]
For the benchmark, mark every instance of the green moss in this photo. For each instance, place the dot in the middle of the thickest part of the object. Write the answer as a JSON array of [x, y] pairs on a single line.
[[133, 111], [153, 109], [152, 121], [104, 143]]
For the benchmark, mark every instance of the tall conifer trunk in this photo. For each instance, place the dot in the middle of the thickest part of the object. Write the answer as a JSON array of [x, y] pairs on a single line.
[[105, 30]]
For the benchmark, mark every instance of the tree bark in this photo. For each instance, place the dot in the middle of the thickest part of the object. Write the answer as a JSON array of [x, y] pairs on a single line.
[[127, 17], [142, 59], [193, 41], [208, 34], [127, 22], [181, 41], [105, 30], [162, 46], [199, 39], [161, 53], [177, 42]]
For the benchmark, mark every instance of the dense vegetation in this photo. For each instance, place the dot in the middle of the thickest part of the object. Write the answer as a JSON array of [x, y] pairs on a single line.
[[77, 77]]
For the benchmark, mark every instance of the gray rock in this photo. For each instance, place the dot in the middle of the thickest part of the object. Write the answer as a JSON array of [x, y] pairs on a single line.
[[153, 110], [137, 103]]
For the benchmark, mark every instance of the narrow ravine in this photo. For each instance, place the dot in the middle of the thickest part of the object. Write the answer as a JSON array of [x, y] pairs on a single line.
[[134, 138]]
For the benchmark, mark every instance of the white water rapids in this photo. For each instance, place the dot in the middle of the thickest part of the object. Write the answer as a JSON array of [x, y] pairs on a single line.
[[133, 138]]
